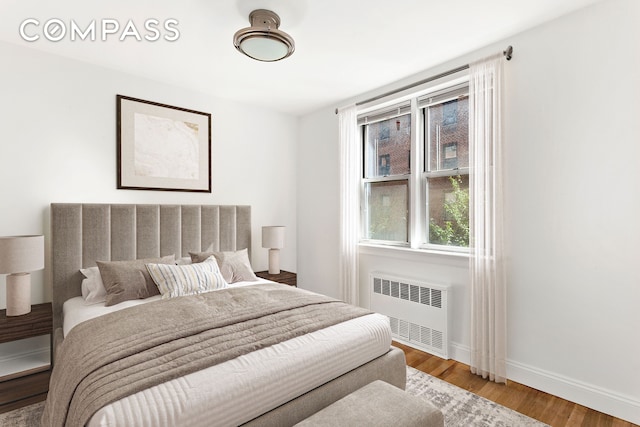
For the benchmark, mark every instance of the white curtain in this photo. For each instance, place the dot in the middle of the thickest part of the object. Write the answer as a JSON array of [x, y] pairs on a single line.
[[349, 203], [488, 279]]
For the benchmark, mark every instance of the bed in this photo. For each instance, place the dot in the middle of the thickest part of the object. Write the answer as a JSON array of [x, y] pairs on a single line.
[[277, 384]]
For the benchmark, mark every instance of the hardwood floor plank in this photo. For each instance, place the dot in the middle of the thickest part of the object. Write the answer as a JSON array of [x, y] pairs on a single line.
[[439, 367], [559, 411], [514, 397], [577, 415], [493, 392], [533, 403], [621, 423]]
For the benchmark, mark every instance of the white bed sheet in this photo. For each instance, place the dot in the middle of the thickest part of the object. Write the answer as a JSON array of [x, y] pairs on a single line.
[[241, 389], [75, 310]]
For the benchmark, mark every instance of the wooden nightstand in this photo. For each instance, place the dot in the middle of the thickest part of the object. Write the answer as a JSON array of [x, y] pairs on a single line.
[[27, 387], [286, 277]]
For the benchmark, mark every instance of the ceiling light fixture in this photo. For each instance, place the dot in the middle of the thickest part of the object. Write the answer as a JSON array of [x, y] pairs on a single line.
[[263, 40]]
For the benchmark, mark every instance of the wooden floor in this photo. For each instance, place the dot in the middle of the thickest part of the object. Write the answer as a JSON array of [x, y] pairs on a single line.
[[533, 403]]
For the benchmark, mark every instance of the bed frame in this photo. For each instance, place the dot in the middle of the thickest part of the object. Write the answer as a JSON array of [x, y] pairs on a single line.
[[84, 233]]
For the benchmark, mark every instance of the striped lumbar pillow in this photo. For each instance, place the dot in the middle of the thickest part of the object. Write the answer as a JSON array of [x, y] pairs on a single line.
[[178, 280]]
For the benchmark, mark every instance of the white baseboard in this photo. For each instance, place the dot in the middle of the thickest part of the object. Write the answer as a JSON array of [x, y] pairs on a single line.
[[594, 397], [460, 353], [597, 398]]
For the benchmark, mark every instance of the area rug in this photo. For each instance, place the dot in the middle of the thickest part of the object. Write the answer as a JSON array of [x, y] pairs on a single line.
[[460, 407], [463, 408], [29, 416]]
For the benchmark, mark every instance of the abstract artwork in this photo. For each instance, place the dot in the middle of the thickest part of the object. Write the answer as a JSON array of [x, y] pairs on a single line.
[[161, 147]]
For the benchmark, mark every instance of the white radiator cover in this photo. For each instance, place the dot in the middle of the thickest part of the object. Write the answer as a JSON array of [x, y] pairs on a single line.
[[418, 311]]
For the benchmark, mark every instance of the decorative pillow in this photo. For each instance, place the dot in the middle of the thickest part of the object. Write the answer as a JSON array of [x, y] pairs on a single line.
[[127, 280], [191, 279], [93, 290], [234, 266], [183, 261]]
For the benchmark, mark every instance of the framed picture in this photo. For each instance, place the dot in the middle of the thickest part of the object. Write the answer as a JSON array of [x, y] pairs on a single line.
[[161, 147]]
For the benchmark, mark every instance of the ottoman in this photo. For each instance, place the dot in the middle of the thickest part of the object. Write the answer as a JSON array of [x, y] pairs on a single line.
[[377, 404]]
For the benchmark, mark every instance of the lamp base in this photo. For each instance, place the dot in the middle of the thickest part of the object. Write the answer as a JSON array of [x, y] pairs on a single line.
[[274, 261], [18, 294]]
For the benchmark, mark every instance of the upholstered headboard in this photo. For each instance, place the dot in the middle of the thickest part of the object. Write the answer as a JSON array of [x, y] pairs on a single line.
[[84, 233]]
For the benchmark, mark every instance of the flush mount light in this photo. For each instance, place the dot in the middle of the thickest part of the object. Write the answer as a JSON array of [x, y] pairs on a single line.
[[263, 40]]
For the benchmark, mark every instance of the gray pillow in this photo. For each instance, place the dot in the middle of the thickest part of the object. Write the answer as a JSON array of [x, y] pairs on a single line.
[[127, 280], [234, 265]]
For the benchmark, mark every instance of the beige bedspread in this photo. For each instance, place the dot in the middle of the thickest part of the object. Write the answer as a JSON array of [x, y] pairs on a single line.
[[105, 359]]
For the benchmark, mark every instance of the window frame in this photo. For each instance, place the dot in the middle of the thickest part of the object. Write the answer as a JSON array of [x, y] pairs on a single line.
[[377, 116], [417, 178], [424, 102]]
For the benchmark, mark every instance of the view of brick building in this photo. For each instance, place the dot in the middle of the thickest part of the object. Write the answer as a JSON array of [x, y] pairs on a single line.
[[388, 153], [448, 130]]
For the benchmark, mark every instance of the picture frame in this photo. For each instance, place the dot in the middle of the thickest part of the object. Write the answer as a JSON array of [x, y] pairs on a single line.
[[162, 147]]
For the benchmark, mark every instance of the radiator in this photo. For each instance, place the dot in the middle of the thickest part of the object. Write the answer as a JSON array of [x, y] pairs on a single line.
[[419, 312]]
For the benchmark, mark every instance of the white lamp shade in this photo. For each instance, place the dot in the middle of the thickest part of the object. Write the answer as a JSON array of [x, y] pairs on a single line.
[[21, 254], [273, 237]]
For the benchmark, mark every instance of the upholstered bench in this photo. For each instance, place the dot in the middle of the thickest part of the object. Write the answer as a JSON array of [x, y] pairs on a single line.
[[377, 404]]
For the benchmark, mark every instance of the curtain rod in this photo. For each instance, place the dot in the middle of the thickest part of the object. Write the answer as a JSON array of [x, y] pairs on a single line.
[[508, 54]]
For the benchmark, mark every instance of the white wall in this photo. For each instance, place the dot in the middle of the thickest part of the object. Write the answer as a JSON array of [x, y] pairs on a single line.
[[574, 204], [572, 209], [58, 144], [318, 203]]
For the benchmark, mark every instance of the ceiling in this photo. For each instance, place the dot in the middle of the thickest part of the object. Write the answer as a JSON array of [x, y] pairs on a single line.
[[343, 47]]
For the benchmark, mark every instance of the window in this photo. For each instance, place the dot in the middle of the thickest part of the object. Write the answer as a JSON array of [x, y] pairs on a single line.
[[384, 164], [446, 172], [428, 208], [450, 155], [450, 112], [387, 167]]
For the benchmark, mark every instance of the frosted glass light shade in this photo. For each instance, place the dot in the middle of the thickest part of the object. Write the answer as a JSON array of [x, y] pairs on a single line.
[[263, 40], [264, 48]]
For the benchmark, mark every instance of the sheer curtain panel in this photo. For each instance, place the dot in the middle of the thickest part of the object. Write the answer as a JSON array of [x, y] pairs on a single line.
[[349, 203], [488, 279]]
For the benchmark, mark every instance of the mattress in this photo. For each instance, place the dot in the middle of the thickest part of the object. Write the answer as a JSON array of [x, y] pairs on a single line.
[[75, 310], [267, 378]]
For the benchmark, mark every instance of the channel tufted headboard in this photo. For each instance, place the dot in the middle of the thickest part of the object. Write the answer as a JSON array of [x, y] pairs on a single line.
[[84, 233]]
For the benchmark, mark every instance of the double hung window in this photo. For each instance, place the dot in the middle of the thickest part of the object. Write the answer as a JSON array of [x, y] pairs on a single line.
[[387, 169], [445, 117], [415, 186]]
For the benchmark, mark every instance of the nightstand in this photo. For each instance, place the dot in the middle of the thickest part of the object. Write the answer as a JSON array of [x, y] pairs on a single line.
[[30, 386], [286, 277]]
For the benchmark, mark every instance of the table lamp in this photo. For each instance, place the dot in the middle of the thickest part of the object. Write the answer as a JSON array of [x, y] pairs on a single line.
[[273, 238], [19, 255]]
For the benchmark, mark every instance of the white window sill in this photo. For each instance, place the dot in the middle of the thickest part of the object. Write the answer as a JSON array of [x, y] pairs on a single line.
[[460, 259]]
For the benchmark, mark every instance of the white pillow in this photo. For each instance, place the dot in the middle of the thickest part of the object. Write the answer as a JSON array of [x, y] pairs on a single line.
[[93, 290], [184, 260], [178, 280]]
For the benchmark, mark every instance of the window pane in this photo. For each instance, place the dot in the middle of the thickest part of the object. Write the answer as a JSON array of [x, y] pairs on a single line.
[[387, 209], [388, 147], [447, 128], [449, 210]]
